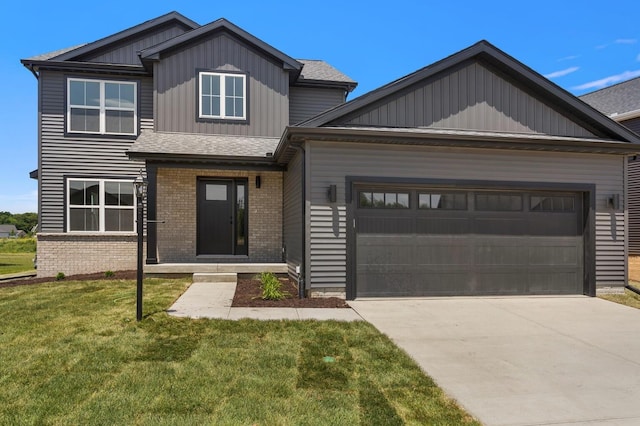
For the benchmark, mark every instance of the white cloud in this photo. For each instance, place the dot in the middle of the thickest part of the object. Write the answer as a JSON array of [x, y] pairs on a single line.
[[603, 82], [626, 41], [561, 73], [569, 58], [638, 57]]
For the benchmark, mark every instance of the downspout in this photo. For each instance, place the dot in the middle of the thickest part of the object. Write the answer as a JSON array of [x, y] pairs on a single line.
[[301, 273]]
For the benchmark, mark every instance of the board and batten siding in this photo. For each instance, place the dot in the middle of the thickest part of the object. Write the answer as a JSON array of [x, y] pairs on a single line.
[[176, 80], [473, 98], [75, 155], [633, 124], [126, 52], [331, 162], [292, 214], [306, 102]]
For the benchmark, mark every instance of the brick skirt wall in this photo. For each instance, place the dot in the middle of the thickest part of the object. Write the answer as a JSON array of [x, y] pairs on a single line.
[[85, 254]]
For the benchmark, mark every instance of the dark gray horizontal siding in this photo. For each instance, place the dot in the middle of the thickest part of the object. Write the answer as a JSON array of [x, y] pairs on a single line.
[[77, 156], [292, 214], [126, 52], [306, 102], [331, 162], [176, 84], [472, 98], [633, 196], [633, 124]]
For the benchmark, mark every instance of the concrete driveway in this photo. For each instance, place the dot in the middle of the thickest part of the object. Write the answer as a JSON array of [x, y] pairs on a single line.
[[523, 360]]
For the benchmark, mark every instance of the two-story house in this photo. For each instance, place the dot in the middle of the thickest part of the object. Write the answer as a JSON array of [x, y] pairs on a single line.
[[473, 175], [621, 103]]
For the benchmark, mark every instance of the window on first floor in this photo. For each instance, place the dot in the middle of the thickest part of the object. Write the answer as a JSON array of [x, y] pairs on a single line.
[[101, 107], [222, 96], [100, 205]]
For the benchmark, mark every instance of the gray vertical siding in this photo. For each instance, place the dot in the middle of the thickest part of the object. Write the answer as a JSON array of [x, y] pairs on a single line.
[[126, 52], [176, 84], [78, 156], [306, 102], [331, 162], [292, 214], [472, 98]]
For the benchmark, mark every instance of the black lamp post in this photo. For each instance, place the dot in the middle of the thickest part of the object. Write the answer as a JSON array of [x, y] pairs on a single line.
[[140, 187]]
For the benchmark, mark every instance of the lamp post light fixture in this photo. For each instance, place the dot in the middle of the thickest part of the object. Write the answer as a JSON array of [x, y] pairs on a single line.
[[140, 189]]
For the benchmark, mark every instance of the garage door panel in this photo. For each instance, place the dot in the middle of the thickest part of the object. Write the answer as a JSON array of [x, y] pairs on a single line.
[[420, 251], [443, 225]]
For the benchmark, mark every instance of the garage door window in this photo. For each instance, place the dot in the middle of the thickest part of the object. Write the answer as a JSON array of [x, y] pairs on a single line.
[[499, 202], [388, 200], [443, 201], [553, 203]]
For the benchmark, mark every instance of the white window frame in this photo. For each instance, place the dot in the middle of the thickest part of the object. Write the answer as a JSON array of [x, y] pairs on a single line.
[[102, 107], [223, 96], [101, 206]]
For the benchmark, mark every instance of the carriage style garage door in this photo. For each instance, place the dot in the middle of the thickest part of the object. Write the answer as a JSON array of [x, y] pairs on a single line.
[[435, 242]]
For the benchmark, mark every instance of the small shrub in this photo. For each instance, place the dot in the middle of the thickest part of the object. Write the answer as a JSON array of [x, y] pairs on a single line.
[[60, 276], [270, 285], [109, 274]]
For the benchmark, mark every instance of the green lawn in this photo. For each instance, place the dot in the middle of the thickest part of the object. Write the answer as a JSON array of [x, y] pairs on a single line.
[[72, 353], [10, 263], [629, 298]]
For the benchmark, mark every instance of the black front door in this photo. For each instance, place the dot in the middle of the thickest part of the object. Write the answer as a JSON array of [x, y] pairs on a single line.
[[221, 217]]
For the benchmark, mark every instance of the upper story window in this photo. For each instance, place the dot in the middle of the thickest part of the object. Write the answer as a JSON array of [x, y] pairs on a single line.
[[99, 205], [102, 107], [223, 96]]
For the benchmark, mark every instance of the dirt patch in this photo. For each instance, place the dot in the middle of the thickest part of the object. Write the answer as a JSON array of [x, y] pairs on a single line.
[[118, 275], [248, 295], [634, 268]]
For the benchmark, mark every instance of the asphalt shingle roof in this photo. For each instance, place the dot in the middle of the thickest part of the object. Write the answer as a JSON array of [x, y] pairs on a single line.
[[51, 55], [150, 142], [320, 70], [617, 99]]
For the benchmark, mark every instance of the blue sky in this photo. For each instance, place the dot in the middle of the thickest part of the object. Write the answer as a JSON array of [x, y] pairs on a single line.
[[580, 45]]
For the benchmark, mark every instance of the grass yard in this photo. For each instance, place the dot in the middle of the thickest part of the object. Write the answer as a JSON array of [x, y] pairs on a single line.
[[11, 263], [72, 353], [629, 298]]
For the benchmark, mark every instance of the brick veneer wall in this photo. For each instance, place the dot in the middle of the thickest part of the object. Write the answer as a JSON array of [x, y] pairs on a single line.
[[177, 207], [84, 254]]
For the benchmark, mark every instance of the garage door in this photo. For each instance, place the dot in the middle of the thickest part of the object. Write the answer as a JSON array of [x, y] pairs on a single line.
[[431, 242]]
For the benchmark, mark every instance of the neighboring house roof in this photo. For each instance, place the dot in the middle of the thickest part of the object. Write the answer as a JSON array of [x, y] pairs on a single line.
[[316, 72], [8, 229], [542, 87], [620, 101], [155, 52], [201, 147]]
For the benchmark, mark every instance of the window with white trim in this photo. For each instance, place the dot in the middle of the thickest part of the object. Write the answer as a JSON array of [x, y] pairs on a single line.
[[100, 205], [101, 106], [222, 96]]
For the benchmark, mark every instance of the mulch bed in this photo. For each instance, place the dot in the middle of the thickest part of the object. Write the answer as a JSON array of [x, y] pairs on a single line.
[[248, 295], [247, 291], [117, 275]]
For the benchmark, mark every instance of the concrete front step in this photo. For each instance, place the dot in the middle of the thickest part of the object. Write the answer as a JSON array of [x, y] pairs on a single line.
[[192, 268], [204, 277]]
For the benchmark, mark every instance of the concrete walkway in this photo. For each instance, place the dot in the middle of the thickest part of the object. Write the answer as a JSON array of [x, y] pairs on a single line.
[[213, 300], [524, 360]]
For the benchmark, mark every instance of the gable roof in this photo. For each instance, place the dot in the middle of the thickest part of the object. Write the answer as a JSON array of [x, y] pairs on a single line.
[[155, 52], [620, 101], [8, 229], [506, 64], [114, 38]]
